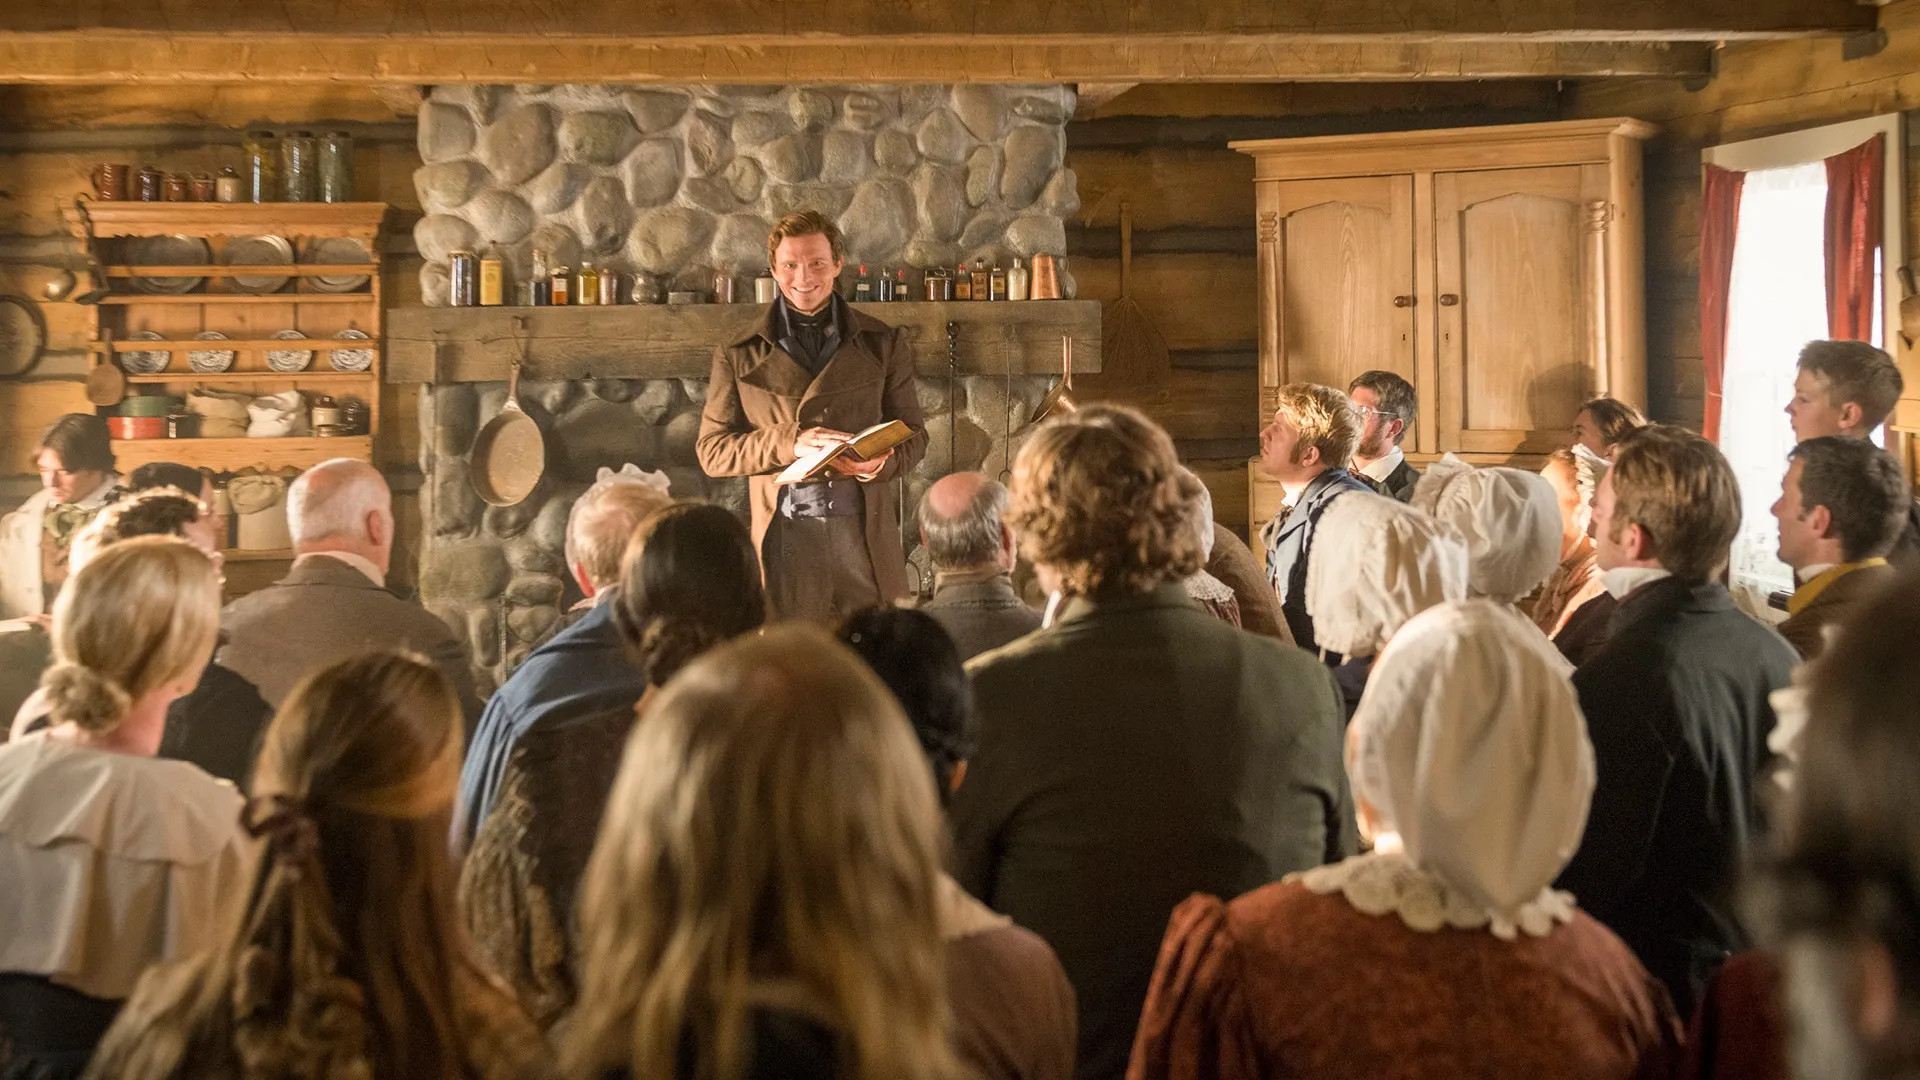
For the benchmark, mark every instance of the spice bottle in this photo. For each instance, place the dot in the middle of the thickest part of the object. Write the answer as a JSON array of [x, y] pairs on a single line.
[[541, 296], [900, 285], [562, 280], [492, 279], [997, 284], [962, 283], [982, 280], [862, 286], [586, 285], [883, 288], [1019, 282]]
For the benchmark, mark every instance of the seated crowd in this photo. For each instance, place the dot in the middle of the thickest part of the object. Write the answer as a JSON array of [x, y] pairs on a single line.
[[1483, 773]]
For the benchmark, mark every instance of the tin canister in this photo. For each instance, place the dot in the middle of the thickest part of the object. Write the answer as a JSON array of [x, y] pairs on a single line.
[[492, 282], [765, 290], [609, 286], [463, 279]]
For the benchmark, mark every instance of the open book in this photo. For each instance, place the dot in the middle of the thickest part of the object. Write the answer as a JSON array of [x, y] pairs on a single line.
[[872, 442]]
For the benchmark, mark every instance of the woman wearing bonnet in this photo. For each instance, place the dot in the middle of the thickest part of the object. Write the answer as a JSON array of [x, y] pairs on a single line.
[[1446, 945], [113, 859]]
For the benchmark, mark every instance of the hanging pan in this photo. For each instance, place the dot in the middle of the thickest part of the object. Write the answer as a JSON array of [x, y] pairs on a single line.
[[510, 453]]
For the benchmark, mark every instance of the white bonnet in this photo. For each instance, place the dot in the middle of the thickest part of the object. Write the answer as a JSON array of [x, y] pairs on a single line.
[[1377, 563], [1470, 743], [1509, 517]]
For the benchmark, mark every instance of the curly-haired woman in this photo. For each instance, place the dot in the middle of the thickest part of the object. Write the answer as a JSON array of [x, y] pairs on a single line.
[[1139, 732], [347, 961]]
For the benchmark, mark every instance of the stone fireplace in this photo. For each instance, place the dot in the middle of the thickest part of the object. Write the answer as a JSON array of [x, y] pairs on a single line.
[[682, 183]]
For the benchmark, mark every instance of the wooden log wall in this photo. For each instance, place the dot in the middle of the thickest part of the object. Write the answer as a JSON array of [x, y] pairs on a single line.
[[1162, 149], [51, 137], [1759, 89]]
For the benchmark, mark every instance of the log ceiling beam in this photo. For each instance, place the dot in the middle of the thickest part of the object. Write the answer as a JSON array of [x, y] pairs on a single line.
[[97, 57], [766, 22]]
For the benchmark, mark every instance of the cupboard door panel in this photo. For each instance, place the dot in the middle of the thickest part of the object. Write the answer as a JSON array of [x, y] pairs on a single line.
[[1335, 255], [1521, 276]]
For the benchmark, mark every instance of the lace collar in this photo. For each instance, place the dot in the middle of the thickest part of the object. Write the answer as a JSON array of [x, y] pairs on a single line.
[[1390, 884]]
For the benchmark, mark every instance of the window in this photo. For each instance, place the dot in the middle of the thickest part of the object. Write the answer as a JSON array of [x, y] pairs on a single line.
[[1776, 304]]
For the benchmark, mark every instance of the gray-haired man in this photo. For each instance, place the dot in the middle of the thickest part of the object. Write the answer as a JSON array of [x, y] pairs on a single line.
[[972, 553]]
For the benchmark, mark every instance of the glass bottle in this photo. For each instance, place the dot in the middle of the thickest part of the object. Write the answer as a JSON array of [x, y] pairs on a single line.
[[900, 285], [982, 280], [336, 167], [561, 283], [883, 286], [862, 286], [586, 285], [297, 167], [962, 283], [263, 170], [1019, 282], [997, 284], [226, 186], [539, 282]]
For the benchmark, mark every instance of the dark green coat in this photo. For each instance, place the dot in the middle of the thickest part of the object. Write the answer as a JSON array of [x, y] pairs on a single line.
[[1137, 752]]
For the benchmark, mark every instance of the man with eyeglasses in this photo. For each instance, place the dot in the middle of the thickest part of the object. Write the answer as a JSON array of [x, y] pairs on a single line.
[[810, 374], [1386, 405]]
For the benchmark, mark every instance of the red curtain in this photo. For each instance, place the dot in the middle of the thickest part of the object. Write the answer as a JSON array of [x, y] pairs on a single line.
[[1719, 218], [1853, 237]]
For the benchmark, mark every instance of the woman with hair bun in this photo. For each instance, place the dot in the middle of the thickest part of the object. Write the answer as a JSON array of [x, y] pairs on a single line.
[[347, 962], [689, 581], [112, 859]]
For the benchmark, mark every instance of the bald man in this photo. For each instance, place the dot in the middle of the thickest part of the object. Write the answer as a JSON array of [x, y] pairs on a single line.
[[973, 552], [334, 602]]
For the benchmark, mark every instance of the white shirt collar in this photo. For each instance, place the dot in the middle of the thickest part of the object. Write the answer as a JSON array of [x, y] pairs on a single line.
[[1622, 580], [358, 562], [1378, 471], [1808, 573], [98, 496]]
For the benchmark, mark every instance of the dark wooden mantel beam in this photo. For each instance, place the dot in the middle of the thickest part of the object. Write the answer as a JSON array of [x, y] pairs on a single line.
[[446, 344]]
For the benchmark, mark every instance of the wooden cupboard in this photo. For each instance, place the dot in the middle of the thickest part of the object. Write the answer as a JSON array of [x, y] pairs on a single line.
[[1499, 269]]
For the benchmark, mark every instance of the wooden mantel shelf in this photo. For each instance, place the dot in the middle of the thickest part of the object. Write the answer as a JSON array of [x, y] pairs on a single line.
[[656, 341]]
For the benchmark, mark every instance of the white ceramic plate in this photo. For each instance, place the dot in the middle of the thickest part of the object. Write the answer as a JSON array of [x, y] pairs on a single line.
[[145, 361], [287, 361], [351, 359], [210, 361], [258, 251]]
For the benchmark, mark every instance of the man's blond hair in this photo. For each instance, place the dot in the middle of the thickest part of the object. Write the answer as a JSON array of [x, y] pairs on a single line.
[[807, 223], [1325, 418]]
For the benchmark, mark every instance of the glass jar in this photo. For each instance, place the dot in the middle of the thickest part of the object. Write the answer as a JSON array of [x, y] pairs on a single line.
[[297, 167], [226, 186], [263, 170], [336, 167]]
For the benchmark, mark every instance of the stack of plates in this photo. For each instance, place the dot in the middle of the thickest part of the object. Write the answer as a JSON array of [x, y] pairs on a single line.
[[258, 251]]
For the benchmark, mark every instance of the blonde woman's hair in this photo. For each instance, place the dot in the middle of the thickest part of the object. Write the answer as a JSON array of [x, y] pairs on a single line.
[[140, 615], [347, 961], [773, 840]]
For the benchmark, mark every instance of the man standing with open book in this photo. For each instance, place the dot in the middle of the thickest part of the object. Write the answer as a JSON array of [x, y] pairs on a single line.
[[811, 374]]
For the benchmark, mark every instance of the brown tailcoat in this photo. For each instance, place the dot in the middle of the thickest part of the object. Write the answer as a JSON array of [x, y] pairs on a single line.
[[760, 399]]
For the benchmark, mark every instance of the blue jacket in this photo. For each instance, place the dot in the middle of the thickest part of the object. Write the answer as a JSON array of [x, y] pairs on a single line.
[[1289, 542], [584, 671]]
